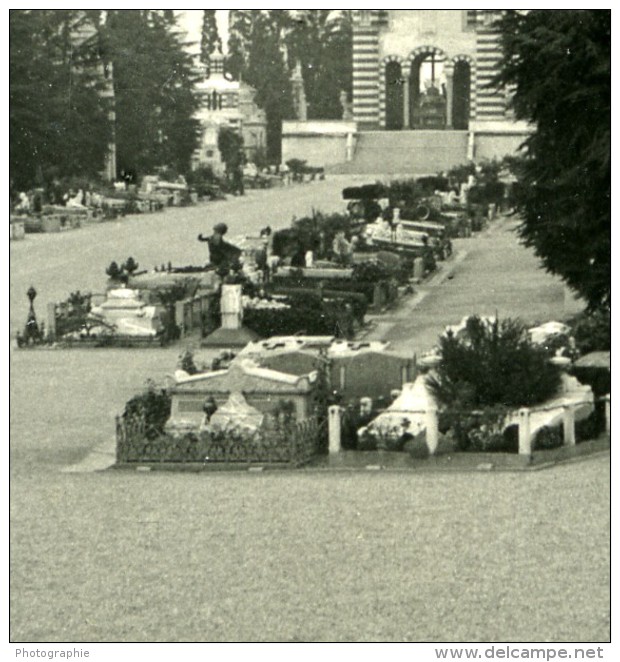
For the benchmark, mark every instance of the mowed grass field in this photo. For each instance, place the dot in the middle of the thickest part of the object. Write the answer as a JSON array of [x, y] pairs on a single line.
[[128, 556]]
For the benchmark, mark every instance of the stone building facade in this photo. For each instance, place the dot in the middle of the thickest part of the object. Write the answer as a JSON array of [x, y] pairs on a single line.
[[422, 100], [426, 69], [227, 103]]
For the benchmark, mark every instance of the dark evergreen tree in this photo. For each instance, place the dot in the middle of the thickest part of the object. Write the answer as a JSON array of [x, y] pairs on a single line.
[[558, 64], [210, 39], [264, 47], [58, 122], [154, 95], [239, 35], [267, 72], [336, 65]]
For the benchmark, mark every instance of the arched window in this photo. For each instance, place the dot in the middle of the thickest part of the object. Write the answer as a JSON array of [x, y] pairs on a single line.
[[461, 95], [393, 96], [427, 96]]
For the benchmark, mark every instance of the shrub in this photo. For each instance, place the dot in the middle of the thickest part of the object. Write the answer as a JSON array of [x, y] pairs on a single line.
[[371, 271], [461, 173], [493, 364], [154, 404], [315, 233], [592, 331], [490, 366], [547, 438]]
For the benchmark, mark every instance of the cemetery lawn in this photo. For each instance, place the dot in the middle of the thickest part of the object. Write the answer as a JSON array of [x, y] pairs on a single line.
[[284, 556]]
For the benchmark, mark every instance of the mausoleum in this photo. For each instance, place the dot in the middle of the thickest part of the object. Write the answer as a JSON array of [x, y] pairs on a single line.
[[422, 98], [226, 103]]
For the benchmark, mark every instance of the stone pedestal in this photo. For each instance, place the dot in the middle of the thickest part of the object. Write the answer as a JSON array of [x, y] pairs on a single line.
[[418, 268], [17, 230], [525, 439], [232, 333]]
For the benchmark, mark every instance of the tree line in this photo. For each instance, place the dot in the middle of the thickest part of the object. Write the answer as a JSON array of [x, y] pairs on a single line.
[[62, 62]]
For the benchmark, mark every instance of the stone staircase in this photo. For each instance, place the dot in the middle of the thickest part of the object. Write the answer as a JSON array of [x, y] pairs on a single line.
[[405, 152]]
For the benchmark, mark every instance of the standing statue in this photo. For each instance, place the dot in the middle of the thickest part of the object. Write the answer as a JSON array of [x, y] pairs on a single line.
[[347, 112]]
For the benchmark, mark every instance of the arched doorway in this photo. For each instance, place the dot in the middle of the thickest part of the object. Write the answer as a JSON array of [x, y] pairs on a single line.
[[427, 91], [394, 112], [461, 95]]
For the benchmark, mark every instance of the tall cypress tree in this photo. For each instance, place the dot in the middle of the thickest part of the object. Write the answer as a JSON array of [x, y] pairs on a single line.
[[322, 41], [239, 39], [210, 38], [264, 47], [267, 72]]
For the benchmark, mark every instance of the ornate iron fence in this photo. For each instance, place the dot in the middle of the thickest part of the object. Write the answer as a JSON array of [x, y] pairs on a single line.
[[295, 444]]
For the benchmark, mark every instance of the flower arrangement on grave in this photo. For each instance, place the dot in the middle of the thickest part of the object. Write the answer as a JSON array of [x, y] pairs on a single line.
[[307, 313], [311, 233]]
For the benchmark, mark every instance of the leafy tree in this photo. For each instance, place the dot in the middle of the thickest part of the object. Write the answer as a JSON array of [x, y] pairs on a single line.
[[264, 47], [210, 39], [58, 119], [230, 144], [153, 87], [322, 41], [558, 64]]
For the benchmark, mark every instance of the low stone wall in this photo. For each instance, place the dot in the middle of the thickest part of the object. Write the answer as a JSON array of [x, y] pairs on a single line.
[[495, 145], [319, 142]]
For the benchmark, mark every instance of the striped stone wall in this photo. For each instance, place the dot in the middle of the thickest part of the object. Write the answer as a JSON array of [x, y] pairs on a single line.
[[366, 68], [490, 103], [369, 94]]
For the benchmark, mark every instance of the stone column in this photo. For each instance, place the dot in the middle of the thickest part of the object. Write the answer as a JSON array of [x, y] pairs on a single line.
[[350, 147], [432, 430], [231, 307], [568, 422], [471, 146], [449, 96], [334, 428], [406, 97], [525, 439], [607, 399]]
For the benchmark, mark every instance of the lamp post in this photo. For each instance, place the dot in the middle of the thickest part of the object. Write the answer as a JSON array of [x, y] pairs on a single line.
[[32, 333]]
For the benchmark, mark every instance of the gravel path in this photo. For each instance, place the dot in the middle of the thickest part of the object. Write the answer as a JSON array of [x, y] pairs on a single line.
[[304, 556]]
